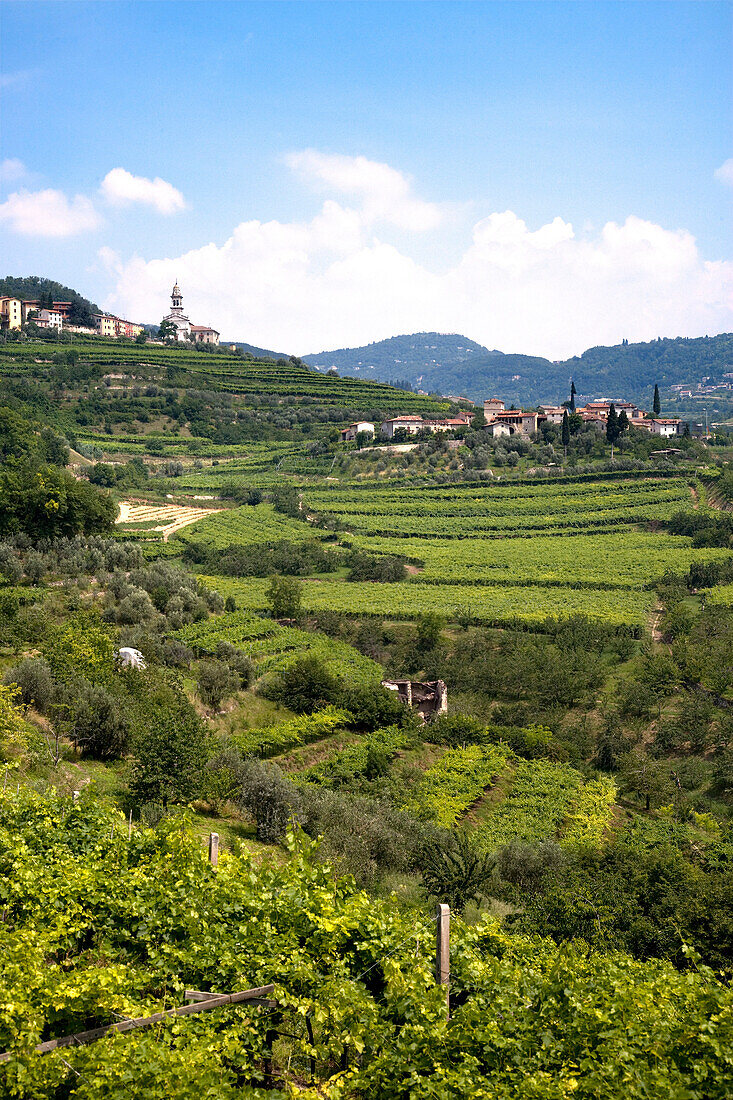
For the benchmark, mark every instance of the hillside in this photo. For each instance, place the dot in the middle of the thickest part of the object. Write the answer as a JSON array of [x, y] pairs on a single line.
[[457, 365], [424, 358], [99, 388]]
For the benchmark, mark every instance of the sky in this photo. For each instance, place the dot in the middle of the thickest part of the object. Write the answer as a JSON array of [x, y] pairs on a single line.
[[540, 177]]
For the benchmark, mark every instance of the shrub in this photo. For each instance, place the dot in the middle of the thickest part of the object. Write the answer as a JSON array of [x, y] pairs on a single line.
[[97, 724], [35, 680], [216, 682]]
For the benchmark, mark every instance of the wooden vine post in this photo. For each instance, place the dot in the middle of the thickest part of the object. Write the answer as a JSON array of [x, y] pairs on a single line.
[[214, 849], [442, 952]]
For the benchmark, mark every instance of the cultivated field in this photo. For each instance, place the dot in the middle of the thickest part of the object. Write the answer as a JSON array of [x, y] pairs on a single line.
[[164, 519]]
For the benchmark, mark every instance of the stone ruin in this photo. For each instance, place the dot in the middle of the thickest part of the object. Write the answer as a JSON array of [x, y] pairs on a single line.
[[428, 699]]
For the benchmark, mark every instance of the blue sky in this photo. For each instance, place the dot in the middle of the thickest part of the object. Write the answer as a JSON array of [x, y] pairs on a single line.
[[589, 113]]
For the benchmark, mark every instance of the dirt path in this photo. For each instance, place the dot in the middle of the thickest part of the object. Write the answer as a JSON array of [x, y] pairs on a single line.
[[655, 619], [171, 517]]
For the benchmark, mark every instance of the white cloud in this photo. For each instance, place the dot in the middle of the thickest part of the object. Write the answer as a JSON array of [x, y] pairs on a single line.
[[120, 188], [725, 172], [310, 286], [12, 169], [48, 213], [386, 194]]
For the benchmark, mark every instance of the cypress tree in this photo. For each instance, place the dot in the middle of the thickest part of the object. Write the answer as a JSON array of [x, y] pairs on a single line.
[[612, 429], [657, 404], [573, 392]]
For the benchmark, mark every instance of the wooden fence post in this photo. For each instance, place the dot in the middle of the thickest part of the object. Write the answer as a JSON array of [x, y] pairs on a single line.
[[214, 849], [442, 952]]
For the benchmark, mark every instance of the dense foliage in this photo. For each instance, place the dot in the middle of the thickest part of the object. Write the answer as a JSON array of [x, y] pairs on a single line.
[[77, 892]]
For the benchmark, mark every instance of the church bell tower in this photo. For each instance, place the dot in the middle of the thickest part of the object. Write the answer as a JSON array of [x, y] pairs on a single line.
[[176, 300]]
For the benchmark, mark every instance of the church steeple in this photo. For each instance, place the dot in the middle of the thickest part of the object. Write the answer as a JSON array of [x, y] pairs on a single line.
[[176, 299]]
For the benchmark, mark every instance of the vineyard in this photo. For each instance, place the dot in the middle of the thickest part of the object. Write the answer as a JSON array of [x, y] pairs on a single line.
[[540, 797], [489, 604], [250, 523], [459, 779], [272, 647], [508, 510], [100, 927], [221, 372]]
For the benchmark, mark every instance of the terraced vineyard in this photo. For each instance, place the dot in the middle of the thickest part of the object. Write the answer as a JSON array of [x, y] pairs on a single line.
[[221, 372], [250, 523], [272, 647], [508, 510]]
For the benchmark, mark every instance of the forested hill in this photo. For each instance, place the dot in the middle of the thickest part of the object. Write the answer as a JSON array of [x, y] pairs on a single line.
[[454, 364], [48, 291], [424, 358]]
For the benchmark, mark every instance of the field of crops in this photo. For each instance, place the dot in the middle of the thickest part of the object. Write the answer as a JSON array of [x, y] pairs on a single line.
[[538, 802], [250, 523], [506, 510], [273, 647], [489, 604]]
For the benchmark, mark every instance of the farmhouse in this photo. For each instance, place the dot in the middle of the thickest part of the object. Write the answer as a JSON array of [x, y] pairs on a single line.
[[410, 424], [667, 427], [348, 435]]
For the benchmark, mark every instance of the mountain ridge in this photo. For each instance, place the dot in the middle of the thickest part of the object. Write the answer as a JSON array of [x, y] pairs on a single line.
[[461, 366]]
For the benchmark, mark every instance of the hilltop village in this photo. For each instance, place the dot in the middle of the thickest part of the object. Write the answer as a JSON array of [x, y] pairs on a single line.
[[500, 421], [15, 313]]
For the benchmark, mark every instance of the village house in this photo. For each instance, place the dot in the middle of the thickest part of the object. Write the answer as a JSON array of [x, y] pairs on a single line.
[[497, 429], [552, 414], [517, 421], [348, 435], [667, 426], [603, 408], [15, 312], [410, 424], [49, 318], [493, 405], [107, 324], [414, 424]]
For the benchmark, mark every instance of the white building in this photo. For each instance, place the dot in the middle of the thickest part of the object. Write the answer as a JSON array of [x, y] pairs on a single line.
[[410, 424], [667, 427], [348, 435], [49, 318]]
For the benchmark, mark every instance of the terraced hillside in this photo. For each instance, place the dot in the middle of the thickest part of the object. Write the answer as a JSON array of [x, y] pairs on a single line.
[[219, 372], [488, 553]]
